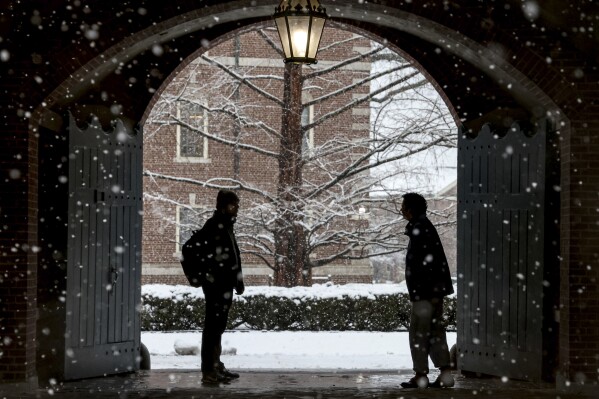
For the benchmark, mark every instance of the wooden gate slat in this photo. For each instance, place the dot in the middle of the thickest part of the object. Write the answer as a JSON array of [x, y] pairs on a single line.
[[463, 229], [482, 275], [93, 250], [495, 234], [98, 280], [73, 276], [135, 288], [85, 255], [523, 279], [125, 288], [128, 286], [513, 276], [105, 273], [505, 322], [117, 265], [475, 269]]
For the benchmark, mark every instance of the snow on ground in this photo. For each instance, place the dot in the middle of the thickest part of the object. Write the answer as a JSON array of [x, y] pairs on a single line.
[[297, 350], [287, 350]]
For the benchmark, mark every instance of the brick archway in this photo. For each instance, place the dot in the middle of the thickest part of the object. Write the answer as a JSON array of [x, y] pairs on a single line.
[[494, 64]]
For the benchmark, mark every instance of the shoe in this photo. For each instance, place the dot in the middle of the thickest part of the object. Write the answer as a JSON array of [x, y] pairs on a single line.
[[228, 373], [418, 381], [214, 377], [444, 380]]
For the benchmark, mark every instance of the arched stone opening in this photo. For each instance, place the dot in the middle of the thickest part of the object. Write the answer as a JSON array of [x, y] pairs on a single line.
[[179, 198]]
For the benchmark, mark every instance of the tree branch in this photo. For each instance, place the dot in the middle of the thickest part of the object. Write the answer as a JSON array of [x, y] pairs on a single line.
[[341, 64], [242, 79]]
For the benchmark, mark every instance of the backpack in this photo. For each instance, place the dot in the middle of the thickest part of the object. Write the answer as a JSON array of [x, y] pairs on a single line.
[[192, 259]]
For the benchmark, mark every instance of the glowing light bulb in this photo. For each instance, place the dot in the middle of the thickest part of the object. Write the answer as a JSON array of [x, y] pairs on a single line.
[[300, 38]]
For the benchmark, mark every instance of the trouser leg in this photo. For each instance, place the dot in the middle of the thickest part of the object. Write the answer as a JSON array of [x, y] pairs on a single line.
[[215, 323], [209, 334], [439, 350], [419, 334], [218, 352]]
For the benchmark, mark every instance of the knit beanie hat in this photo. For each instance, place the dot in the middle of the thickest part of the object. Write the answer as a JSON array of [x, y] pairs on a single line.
[[224, 198]]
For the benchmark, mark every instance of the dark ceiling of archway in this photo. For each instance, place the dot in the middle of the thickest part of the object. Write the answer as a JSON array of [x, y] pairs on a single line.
[[47, 43], [135, 84], [463, 84]]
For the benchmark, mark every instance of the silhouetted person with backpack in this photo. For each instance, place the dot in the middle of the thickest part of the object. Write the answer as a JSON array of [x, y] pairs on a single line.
[[211, 259], [429, 281]]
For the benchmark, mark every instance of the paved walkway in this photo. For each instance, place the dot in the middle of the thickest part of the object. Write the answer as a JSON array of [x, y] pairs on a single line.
[[285, 384]]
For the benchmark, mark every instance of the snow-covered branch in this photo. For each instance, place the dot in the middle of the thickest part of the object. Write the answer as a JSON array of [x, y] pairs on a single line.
[[214, 183], [242, 80]]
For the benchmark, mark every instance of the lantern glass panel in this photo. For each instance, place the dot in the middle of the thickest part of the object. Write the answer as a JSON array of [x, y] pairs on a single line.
[[315, 35], [283, 34], [298, 29]]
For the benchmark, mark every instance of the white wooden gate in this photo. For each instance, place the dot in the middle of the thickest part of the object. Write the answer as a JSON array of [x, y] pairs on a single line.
[[104, 251], [508, 270]]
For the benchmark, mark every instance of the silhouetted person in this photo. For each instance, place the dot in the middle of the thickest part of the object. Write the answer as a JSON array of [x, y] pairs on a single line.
[[215, 252], [429, 281]]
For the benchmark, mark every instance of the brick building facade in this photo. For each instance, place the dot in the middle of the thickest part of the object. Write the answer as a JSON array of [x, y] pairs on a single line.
[[173, 209], [442, 209]]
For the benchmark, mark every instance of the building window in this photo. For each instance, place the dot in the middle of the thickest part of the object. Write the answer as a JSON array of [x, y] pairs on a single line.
[[188, 220], [192, 146], [308, 139]]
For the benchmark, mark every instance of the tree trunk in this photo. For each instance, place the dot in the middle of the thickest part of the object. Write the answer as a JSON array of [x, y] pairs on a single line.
[[237, 125], [290, 237]]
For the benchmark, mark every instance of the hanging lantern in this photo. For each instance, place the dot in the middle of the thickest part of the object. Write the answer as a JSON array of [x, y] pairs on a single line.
[[300, 24]]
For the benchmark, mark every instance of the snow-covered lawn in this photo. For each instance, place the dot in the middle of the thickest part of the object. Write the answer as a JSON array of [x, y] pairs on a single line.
[[251, 350], [300, 350]]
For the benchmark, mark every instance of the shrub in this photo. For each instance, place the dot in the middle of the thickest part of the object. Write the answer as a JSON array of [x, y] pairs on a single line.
[[384, 312]]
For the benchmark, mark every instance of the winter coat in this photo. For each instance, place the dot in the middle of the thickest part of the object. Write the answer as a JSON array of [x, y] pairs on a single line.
[[427, 271], [216, 255]]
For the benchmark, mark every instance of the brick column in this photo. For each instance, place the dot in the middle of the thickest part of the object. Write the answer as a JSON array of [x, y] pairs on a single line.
[[579, 275], [18, 248]]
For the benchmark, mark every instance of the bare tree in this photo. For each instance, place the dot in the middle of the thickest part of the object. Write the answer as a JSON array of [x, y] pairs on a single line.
[[326, 184]]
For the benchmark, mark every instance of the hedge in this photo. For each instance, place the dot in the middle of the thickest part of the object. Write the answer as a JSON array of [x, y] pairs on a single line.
[[389, 312]]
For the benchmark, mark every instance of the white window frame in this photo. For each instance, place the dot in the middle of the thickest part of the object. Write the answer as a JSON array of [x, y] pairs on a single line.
[[178, 242], [187, 159], [309, 133]]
